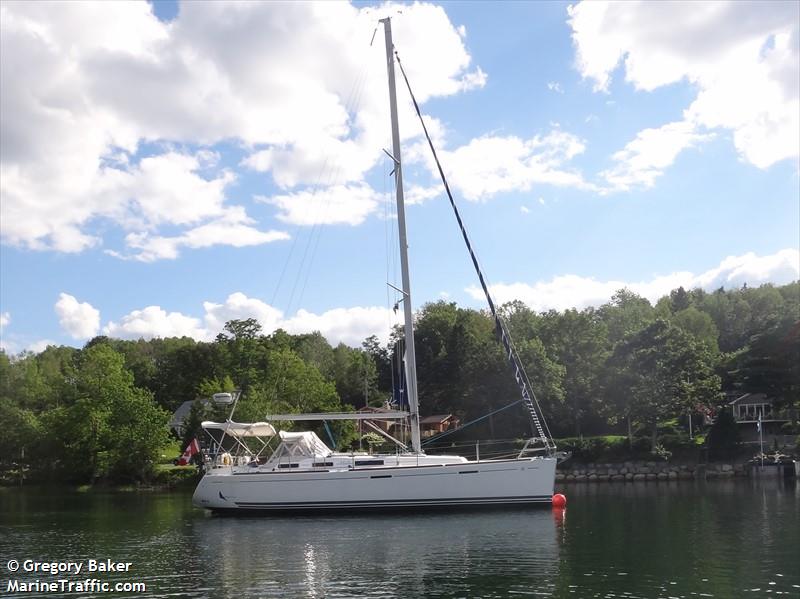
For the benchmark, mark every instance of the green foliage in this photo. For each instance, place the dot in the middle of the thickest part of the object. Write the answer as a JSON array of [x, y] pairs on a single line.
[[662, 452], [462, 367], [625, 314], [609, 448], [723, 438], [579, 342], [101, 411], [770, 363], [356, 375], [138, 432], [661, 371], [373, 441], [699, 325]]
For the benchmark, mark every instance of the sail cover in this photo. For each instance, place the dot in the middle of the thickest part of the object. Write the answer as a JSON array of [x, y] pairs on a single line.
[[241, 429], [305, 443]]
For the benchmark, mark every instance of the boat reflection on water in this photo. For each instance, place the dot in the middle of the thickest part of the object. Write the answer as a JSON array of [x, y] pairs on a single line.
[[384, 555]]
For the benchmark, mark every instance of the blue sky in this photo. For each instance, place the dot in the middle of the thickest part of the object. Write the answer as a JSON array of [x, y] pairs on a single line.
[[166, 168]]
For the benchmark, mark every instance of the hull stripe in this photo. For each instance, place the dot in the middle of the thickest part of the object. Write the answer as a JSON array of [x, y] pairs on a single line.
[[395, 502]]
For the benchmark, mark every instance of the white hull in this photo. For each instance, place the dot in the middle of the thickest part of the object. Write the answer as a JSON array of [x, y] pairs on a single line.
[[491, 482]]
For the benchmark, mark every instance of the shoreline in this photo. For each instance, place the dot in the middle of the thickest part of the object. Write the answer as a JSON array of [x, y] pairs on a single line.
[[635, 471]]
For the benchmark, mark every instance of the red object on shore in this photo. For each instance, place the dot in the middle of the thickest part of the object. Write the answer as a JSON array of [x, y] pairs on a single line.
[[191, 449], [559, 500]]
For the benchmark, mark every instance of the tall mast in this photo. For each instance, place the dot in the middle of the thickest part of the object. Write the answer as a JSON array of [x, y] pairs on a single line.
[[411, 361]]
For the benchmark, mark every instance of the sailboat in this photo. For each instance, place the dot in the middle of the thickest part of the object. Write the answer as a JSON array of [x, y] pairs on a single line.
[[304, 474]]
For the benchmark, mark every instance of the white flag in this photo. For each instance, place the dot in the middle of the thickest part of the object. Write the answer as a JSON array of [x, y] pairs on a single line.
[[759, 422]]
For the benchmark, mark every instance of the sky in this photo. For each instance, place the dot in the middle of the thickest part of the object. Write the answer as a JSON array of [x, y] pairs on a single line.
[[166, 167]]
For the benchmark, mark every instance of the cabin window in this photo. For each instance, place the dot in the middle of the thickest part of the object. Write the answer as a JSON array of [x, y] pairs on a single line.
[[369, 462]]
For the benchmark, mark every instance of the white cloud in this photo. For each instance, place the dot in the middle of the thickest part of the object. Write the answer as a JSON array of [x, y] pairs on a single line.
[[161, 190], [80, 320], [568, 291], [645, 158], [416, 194], [781, 267], [233, 228], [240, 307], [345, 325], [84, 86], [337, 205], [153, 321], [5, 344], [492, 164], [169, 189], [524, 209], [14, 344], [742, 57], [555, 86], [40, 345]]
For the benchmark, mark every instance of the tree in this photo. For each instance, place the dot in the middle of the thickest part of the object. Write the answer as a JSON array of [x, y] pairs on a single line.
[[579, 342], [112, 428], [241, 329], [355, 375], [292, 386], [315, 350], [383, 364], [660, 372], [463, 369], [21, 441], [138, 431], [723, 438], [625, 314], [770, 364], [699, 325], [679, 299]]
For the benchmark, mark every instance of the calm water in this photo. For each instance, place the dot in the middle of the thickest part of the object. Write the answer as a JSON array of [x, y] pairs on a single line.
[[721, 539]]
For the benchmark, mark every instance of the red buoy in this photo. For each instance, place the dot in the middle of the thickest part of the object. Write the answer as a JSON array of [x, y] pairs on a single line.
[[559, 500]]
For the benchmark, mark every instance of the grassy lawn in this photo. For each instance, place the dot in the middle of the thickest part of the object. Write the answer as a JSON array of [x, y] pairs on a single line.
[[169, 452]]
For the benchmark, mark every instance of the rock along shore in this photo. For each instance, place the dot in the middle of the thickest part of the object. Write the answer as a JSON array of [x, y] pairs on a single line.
[[653, 471]]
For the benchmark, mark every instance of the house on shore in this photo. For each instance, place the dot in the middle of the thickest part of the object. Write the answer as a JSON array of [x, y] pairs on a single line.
[[179, 416], [428, 425], [437, 423], [384, 425], [747, 408]]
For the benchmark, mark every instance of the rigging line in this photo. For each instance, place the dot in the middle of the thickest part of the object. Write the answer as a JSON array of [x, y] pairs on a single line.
[[384, 198], [470, 423], [527, 380], [312, 242], [471, 443], [315, 188], [522, 380], [351, 106], [296, 236], [388, 231]]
